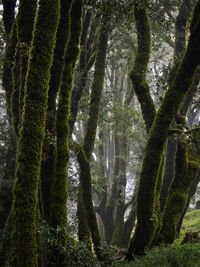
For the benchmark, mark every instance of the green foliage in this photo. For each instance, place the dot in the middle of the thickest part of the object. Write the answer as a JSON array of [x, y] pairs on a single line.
[[170, 256], [74, 253], [191, 221]]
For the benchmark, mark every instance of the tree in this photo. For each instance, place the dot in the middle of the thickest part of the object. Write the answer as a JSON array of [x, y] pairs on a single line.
[[25, 190], [147, 219]]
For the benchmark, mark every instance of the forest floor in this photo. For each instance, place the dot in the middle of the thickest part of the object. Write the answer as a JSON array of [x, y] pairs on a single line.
[[177, 254]]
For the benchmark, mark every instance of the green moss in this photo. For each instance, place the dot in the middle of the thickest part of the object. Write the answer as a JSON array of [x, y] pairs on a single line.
[[157, 138], [84, 234], [91, 127], [24, 24], [8, 15], [185, 173], [15, 92], [48, 163], [32, 133], [59, 188], [145, 205], [7, 77], [86, 186], [139, 69]]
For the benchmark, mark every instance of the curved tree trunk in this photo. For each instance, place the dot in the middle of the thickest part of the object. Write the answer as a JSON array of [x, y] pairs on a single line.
[[91, 127], [147, 220], [185, 173]]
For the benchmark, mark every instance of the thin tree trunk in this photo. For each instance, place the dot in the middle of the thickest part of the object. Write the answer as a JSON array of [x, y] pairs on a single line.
[[91, 127]]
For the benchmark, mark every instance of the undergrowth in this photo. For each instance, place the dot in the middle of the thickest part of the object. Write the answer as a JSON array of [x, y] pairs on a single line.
[[175, 255]]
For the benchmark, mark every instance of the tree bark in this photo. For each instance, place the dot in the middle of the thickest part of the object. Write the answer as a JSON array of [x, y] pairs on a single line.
[[31, 135], [147, 220], [48, 157]]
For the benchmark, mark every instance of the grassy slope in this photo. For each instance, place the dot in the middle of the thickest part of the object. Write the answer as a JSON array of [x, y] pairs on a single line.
[[175, 255], [191, 221]]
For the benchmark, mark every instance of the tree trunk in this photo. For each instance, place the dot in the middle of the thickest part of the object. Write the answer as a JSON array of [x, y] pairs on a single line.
[[60, 183], [48, 158], [32, 133], [91, 127], [147, 220], [185, 173]]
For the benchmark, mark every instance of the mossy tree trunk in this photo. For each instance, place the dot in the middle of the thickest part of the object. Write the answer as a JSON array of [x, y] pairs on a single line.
[[8, 15], [25, 190], [59, 189], [192, 191], [179, 49], [91, 127], [139, 69], [9, 172], [24, 28], [185, 173], [147, 219], [86, 61], [48, 158]]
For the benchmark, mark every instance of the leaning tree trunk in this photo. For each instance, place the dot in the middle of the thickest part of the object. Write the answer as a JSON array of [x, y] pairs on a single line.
[[89, 139], [147, 220], [180, 44], [86, 61], [185, 173], [31, 135]]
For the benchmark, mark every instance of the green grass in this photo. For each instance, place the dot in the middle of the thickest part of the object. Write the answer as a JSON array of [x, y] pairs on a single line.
[[191, 221], [175, 255]]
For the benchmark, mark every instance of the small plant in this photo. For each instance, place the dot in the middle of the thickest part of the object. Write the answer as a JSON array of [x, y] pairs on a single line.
[[170, 256], [74, 253]]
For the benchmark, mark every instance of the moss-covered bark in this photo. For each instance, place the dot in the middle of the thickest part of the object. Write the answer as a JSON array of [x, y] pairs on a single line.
[[59, 188], [7, 77], [179, 49], [91, 127], [147, 220], [86, 187], [192, 191], [31, 135], [180, 29], [139, 69], [84, 234], [121, 185], [24, 24], [8, 15], [185, 173], [169, 171], [48, 162]]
